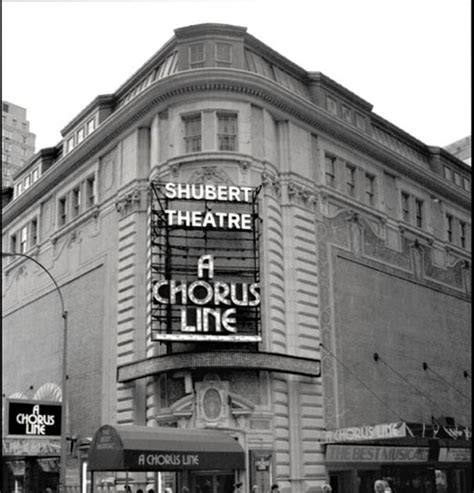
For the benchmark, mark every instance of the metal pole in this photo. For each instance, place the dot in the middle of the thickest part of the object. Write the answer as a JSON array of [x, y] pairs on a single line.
[[62, 462]]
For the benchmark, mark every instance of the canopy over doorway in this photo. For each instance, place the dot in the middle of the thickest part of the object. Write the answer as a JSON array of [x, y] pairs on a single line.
[[143, 448]]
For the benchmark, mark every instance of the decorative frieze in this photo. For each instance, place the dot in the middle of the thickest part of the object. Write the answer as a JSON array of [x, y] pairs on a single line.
[[132, 201]]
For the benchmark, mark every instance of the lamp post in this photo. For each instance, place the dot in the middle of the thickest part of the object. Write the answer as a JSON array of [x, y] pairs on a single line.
[[62, 462]]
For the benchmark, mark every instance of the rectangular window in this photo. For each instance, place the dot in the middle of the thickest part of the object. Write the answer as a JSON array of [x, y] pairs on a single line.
[[330, 171], [370, 189], [33, 232], [223, 54], [80, 135], [90, 126], [62, 211], [26, 182], [457, 179], [5, 107], [76, 201], [23, 239], [466, 184], [419, 213], [90, 191], [346, 113], [331, 105], [13, 243], [192, 133], [14, 122], [350, 179], [406, 207], [227, 132], [196, 55], [70, 144], [462, 233], [449, 220], [35, 174], [360, 121], [448, 174]]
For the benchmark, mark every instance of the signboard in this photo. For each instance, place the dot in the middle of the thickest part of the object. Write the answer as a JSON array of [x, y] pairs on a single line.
[[375, 454], [368, 432], [205, 265], [454, 455], [33, 418]]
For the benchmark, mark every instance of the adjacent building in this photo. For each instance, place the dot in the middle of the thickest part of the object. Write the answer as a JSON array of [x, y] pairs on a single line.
[[18, 143], [249, 255], [462, 149]]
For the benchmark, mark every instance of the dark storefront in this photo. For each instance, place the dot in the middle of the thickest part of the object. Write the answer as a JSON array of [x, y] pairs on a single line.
[[421, 459]]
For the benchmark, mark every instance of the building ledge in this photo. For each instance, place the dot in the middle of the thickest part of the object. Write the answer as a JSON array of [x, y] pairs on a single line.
[[219, 359]]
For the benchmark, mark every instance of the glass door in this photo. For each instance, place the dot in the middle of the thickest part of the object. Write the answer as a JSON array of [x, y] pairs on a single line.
[[213, 482]]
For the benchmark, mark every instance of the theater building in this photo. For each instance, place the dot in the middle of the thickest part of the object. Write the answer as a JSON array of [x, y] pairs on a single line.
[[252, 257]]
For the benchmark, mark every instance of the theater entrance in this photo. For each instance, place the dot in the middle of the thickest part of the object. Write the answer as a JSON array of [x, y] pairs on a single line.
[[212, 482]]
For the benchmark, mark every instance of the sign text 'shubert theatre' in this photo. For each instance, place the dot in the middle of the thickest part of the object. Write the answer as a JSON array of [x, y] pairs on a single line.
[[205, 263]]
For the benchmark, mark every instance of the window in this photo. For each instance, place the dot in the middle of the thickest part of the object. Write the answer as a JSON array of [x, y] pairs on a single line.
[[457, 179], [331, 105], [14, 122], [6, 146], [448, 174], [76, 201], [90, 126], [223, 54], [227, 132], [90, 191], [7, 134], [5, 107], [192, 133], [449, 220], [360, 121], [80, 135], [62, 211], [462, 233], [13, 243], [419, 213], [405, 206], [26, 182], [370, 189], [466, 184], [70, 144], [330, 171], [346, 113], [24, 127], [35, 175], [23, 239], [33, 232], [350, 179], [196, 55]]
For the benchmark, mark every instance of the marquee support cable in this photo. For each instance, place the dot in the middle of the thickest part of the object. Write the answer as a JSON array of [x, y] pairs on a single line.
[[363, 383], [377, 358], [427, 367]]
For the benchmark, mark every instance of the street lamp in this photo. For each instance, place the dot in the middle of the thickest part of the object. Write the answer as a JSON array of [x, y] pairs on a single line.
[[62, 462]]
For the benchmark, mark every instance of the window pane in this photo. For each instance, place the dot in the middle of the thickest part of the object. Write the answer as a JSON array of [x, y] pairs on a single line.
[[192, 133], [227, 132], [330, 163]]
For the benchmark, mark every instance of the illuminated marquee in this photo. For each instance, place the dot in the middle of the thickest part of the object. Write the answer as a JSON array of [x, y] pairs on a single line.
[[205, 275]]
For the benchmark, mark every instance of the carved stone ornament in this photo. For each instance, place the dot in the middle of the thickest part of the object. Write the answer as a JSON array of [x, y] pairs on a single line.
[[300, 195], [271, 183], [130, 202]]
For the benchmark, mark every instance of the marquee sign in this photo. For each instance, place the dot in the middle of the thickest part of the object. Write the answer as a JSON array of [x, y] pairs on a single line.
[[205, 266], [33, 418]]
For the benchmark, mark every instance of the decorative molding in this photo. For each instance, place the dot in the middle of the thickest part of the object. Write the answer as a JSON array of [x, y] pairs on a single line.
[[300, 195], [130, 202], [271, 183]]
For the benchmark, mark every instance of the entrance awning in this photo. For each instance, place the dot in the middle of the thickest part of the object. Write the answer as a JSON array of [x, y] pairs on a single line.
[[143, 448]]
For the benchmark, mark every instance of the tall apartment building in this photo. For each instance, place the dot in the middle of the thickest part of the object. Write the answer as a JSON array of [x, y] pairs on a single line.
[[462, 149], [18, 143], [266, 282]]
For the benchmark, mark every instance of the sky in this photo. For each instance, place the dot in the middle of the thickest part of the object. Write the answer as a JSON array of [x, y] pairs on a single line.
[[410, 59]]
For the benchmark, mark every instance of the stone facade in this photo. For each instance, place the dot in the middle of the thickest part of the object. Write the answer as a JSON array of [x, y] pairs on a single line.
[[365, 248]]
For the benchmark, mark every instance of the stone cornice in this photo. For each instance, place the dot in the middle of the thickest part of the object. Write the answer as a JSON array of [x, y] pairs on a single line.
[[248, 86]]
